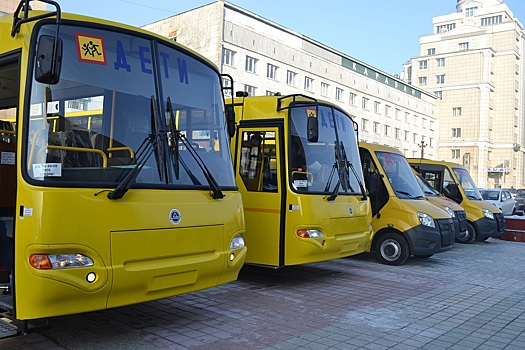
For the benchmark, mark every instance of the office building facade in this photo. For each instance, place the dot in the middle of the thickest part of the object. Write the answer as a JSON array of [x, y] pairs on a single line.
[[264, 58], [473, 61]]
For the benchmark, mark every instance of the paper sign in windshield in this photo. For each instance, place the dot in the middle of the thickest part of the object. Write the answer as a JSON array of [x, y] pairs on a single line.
[[90, 48], [47, 170]]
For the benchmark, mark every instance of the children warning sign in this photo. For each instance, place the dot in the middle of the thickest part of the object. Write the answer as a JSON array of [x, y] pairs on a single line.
[[90, 48]]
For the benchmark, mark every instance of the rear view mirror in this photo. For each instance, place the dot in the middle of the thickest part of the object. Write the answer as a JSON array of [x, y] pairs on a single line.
[[48, 60], [230, 121], [313, 129]]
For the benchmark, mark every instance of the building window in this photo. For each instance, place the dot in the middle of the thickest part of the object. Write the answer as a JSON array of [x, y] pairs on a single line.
[[352, 98], [440, 62], [324, 89], [423, 64], [487, 21], [414, 138], [407, 134], [365, 103], [422, 81], [455, 153], [470, 11], [456, 132], [424, 123], [456, 111], [446, 27], [440, 79], [431, 142], [308, 84], [290, 78], [227, 57], [398, 113], [397, 133], [376, 127], [463, 46], [271, 71], [364, 124], [226, 85], [387, 110], [338, 94], [438, 94], [269, 93], [407, 115], [387, 130], [251, 90], [250, 64], [431, 127], [377, 106], [431, 51]]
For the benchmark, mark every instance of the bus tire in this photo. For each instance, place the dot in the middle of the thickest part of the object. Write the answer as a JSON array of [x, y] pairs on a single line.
[[392, 249], [468, 236]]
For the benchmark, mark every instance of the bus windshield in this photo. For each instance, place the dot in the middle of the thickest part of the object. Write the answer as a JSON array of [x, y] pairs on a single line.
[[400, 176], [471, 191], [319, 166], [124, 101]]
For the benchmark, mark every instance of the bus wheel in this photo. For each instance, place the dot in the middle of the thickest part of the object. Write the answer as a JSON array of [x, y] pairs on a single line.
[[468, 235], [392, 249]]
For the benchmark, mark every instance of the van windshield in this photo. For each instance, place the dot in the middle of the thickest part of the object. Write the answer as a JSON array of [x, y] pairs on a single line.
[[109, 109], [400, 176], [466, 182]]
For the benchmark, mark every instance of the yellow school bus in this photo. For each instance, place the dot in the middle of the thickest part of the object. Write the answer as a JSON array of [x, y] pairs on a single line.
[[453, 180], [298, 170], [107, 196], [405, 222]]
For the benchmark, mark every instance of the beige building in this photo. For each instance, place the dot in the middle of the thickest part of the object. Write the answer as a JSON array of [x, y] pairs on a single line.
[[9, 6], [264, 57], [473, 61]]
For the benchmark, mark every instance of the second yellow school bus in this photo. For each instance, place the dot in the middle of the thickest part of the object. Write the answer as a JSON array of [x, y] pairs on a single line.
[[298, 170]]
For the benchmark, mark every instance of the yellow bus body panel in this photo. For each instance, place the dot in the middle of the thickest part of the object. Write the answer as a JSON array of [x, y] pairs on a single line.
[[139, 255]]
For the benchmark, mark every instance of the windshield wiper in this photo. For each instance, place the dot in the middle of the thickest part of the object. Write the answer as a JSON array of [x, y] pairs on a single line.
[[409, 195], [174, 138], [341, 165], [177, 136], [151, 144]]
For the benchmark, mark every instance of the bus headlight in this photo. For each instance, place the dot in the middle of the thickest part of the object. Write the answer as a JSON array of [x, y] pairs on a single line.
[[488, 213], [310, 234], [426, 220], [59, 261], [449, 210], [237, 242]]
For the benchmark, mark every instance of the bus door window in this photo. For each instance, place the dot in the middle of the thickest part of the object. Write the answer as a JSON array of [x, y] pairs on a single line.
[[258, 164]]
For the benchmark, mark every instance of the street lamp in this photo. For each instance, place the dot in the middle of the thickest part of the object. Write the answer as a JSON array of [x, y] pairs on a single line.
[[423, 145]]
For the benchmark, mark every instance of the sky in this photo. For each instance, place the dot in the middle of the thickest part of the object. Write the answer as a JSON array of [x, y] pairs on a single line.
[[382, 33]]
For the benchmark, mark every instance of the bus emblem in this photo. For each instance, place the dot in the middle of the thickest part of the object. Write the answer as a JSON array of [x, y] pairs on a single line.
[[175, 216], [350, 211]]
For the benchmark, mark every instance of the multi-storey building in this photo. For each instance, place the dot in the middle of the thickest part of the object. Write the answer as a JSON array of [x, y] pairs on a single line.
[[9, 6], [473, 61], [264, 57]]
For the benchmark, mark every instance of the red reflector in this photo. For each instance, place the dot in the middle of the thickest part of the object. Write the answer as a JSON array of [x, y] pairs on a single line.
[[303, 233], [40, 262]]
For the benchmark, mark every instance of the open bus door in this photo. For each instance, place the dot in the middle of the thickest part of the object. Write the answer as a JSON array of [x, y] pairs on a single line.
[[9, 82], [259, 178]]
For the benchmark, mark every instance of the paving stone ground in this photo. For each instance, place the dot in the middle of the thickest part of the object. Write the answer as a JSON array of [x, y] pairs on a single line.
[[472, 297]]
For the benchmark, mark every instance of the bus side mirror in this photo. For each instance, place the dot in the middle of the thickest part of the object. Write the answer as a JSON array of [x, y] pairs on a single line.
[[48, 59], [230, 121], [313, 129]]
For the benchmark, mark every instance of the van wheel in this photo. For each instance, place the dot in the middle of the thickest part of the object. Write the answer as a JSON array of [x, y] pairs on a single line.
[[467, 236], [392, 249]]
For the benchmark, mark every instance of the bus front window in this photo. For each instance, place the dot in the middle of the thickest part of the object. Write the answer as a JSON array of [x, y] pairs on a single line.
[[318, 166], [105, 116], [467, 183], [400, 176]]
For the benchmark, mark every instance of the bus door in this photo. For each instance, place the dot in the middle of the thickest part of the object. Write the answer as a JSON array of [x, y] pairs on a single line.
[[9, 88], [259, 176]]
